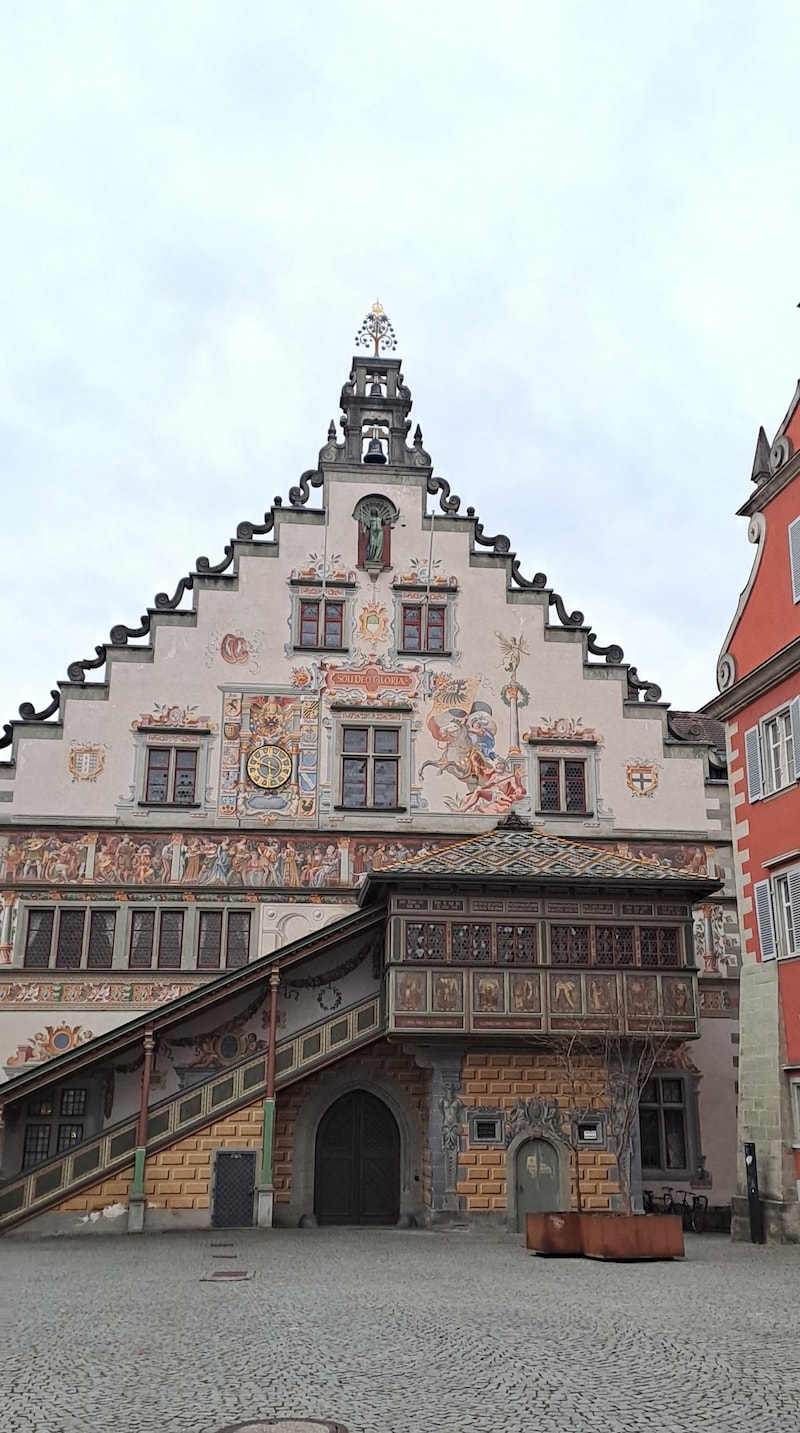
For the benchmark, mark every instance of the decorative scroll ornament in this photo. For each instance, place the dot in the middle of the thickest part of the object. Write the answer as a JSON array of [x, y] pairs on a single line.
[[535, 1116], [52, 1040], [376, 329]]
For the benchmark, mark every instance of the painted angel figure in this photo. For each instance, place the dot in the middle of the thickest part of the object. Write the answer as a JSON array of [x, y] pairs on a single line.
[[514, 649]]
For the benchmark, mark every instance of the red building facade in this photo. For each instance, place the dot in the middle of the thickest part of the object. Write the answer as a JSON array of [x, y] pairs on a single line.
[[759, 682]]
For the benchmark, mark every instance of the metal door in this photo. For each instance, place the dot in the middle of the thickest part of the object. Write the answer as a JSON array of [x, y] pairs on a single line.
[[234, 1189], [357, 1164], [537, 1178]]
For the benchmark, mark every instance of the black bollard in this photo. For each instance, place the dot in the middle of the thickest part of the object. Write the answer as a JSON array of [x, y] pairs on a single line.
[[753, 1201]]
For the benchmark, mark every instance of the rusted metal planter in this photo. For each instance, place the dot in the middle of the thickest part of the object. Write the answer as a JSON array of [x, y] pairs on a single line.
[[554, 1233], [632, 1236]]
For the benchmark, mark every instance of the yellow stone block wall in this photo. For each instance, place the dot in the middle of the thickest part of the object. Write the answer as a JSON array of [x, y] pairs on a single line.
[[113, 1190], [383, 1059], [498, 1081], [178, 1177]]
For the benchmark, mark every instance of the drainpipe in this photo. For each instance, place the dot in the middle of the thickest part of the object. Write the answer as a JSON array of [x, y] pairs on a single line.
[[266, 1188], [136, 1199]]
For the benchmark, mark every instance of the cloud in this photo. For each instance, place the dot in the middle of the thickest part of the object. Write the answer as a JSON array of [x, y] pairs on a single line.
[[581, 219]]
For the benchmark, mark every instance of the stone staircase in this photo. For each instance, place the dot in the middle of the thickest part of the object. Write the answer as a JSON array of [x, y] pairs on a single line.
[[224, 1091]]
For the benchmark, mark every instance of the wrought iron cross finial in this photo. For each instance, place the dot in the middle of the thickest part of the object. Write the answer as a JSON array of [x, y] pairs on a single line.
[[376, 329]]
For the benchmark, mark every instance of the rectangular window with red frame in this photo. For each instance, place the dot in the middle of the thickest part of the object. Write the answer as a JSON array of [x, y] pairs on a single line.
[[562, 785], [171, 778], [321, 624], [423, 628]]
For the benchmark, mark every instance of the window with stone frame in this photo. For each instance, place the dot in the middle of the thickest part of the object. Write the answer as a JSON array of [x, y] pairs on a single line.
[[320, 624], [562, 785], [170, 776], [223, 938], [423, 627], [155, 939], [786, 908], [772, 751], [664, 1126], [53, 1123], [369, 768], [63, 938]]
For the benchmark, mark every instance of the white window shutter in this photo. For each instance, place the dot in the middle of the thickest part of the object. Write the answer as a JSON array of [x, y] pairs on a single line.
[[794, 720], [752, 754], [794, 897], [766, 927], [794, 557]]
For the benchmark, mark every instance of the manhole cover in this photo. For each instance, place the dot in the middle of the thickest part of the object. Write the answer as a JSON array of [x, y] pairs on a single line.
[[285, 1425]]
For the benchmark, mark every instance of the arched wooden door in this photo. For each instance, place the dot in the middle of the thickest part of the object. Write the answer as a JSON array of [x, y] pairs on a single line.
[[538, 1178], [357, 1163]]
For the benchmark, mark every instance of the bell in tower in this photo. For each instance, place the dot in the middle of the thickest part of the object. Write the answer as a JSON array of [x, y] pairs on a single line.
[[375, 453]]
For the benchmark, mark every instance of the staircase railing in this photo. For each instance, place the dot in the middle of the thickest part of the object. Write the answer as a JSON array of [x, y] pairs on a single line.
[[169, 1119]]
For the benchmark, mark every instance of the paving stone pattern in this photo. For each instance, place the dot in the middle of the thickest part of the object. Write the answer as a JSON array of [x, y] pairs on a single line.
[[394, 1332]]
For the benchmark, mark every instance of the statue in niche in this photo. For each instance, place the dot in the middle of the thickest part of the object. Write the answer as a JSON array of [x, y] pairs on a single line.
[[452, 1112], [376, 516], [372, 525]]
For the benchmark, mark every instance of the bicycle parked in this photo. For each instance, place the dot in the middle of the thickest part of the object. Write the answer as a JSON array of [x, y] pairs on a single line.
[[692, 1215]]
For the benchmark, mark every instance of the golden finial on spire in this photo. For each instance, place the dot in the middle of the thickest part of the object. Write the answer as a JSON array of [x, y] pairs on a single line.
[[376, 329]]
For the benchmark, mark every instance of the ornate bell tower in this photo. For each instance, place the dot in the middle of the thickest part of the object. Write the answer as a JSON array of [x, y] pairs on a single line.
[[375, 404]]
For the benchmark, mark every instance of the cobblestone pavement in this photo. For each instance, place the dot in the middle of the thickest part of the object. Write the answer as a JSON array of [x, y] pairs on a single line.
[[393, 1332]]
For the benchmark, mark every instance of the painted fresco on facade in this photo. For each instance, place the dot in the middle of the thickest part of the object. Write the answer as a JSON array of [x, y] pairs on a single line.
[[562, 729], [52, 1040], [253, 860], [238, 859], [86, 760], [317, 567], [420, 571], [465, 730], [269, 756], [170, 715], [136, 993], [375, 680], [372, 622], [237, 649]]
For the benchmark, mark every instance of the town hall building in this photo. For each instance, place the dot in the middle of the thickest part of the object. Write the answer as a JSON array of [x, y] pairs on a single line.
[[348, 886]]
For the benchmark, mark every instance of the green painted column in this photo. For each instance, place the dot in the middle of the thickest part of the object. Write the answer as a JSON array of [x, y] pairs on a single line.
[[267, 1141], [137, 1186]]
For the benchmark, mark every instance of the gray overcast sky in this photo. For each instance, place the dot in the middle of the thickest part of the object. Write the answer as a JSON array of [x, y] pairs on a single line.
[[582, 218]]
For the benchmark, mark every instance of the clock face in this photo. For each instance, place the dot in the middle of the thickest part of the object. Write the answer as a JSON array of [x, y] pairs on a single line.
[[269, 767]]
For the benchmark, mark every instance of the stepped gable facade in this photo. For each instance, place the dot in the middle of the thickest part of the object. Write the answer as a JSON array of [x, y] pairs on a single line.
[[758, 676], [364, 683]]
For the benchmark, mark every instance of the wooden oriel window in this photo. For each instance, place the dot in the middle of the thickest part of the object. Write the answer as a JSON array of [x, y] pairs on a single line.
[[370, 767], [423, 627], [171, 778], [562, 784], [321, 624]]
